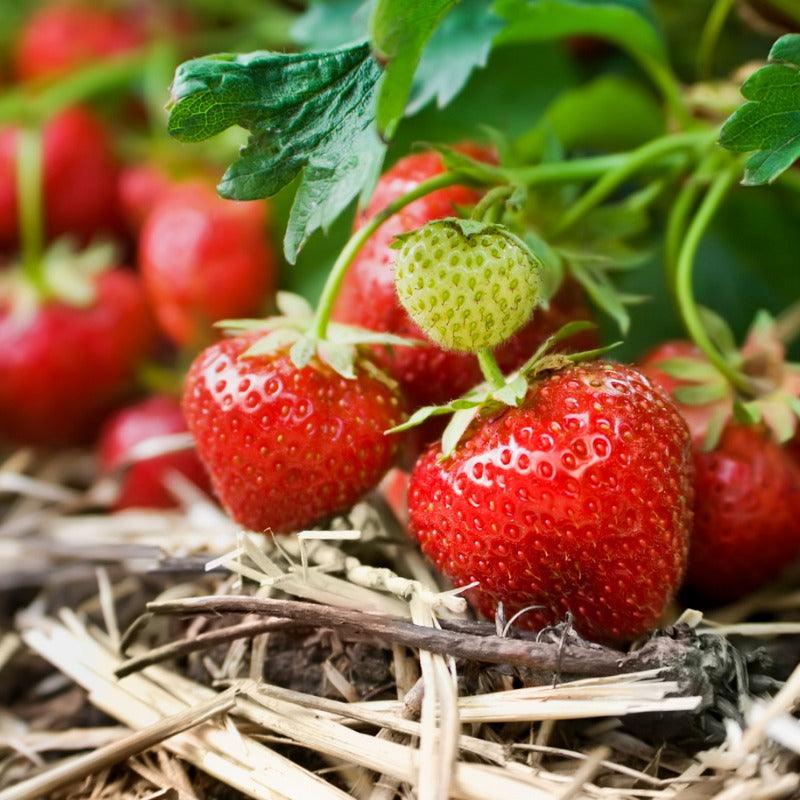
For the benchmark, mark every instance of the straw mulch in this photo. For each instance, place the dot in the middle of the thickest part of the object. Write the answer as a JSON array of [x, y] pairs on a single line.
[[170, 655]]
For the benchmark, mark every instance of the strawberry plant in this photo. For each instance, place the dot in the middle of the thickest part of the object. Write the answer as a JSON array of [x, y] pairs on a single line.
[[498, 239]]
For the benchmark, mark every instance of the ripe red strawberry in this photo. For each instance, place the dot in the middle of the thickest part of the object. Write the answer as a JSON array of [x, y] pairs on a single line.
[[747, 495], [62, 37], [579, 500], [747, 514], [143, 485], [62, 367], [80, 174], [139, 189], [431, 375], [286, 447], [204, 259]]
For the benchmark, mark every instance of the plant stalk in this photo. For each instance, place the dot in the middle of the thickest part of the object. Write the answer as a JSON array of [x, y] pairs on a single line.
[[334, 282], [490, 368], [30, 175], [684, 291]]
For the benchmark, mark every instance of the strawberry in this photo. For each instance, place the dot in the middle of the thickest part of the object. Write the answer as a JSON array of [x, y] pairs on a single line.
[[59, 38], [143, 484], [747, 488], [80, 174], [139, 188], [747, 508], [63, 366], [431, 375], [467, 284], [578, 500], [287, 447], [204, 259]]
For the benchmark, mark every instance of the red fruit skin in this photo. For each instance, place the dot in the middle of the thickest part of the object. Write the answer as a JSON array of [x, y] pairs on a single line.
[[139, 189], [60, 38], [747, 515], [284, 447], [203, 259], [578, 501], [64, 367], [747, 497], [143, 485], [80, 177], [697, 416], [431, 375]]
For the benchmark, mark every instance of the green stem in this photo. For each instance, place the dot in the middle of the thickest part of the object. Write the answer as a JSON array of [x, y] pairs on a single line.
[[29, 198], [491, 199], [663, 77], [642, 157], [710, 35], [490, 368], [96, 79], [359, 238], [575, 170], [684, 292]]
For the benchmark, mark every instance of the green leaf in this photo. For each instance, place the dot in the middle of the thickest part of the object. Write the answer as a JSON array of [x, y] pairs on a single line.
[[456, 428], [627, 23], [330, 23], [460, 44], [770, 121], [610, 113], [309, 113], [602, 293], [399, 30]]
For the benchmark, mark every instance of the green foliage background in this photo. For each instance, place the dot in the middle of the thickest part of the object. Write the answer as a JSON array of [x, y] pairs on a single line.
[[749, 260]]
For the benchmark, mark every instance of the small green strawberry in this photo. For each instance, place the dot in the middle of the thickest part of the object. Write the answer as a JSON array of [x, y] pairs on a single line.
[[467, 284]]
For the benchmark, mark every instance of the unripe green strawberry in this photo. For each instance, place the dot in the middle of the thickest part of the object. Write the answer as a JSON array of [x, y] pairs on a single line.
[[467, 284]]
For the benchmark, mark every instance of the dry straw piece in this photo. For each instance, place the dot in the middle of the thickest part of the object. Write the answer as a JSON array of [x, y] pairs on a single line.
[[333, 664]]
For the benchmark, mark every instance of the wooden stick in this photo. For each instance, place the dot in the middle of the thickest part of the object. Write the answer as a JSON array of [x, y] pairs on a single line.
[[203, 641], [77, 768], [589, 660]]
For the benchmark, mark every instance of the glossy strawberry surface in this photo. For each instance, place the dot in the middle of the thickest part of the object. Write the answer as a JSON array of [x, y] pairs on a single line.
[[578, 501], [62, 37], [62, 367], [80, 176], [432, 375], [143, 484], [287, 447], [204, 259], [747, 514]]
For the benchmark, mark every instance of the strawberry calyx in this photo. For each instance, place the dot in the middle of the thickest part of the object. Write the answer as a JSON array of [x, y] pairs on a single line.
[[508, 391], [65, 273], [293, 330], [773, 399]]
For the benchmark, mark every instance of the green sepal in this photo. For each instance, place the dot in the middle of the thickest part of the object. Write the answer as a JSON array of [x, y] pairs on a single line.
[[273, 342], [513, 392], [339, 357], [456, 428], [716, 425], [702, 394], [747, 413], [302, 351], [293, 305], [693, 370], [472, 169]]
